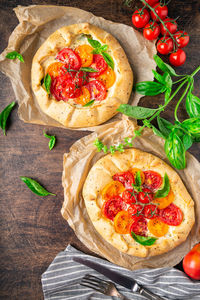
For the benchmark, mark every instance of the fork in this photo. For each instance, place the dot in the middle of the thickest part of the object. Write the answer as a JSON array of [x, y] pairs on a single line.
[[102, 286]]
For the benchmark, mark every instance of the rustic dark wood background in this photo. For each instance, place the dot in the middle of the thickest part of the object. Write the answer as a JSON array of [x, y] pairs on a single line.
[[32, 229]]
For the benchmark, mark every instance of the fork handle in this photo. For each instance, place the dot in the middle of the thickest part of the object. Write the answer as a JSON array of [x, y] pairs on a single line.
[[122, 297]]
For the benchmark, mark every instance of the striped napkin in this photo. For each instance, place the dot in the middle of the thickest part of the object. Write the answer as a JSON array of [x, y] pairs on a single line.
[[62, 280]]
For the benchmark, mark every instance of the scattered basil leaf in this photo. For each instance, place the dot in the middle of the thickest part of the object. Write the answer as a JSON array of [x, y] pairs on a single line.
[[52, 140], [94, 43], [136, 112], [163, 66], [14, 55], [187, 141], [150, 88], [47, 83], [88, 69], [35, 187], [4, 116], [164, 191], [138, 179], [164, 126], [143, 240], [108, 59], [89, 103], [192, 125], [192, 104]]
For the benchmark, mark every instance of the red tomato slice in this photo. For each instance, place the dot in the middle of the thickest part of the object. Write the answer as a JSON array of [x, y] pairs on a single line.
[[111, 207], [150, 211], [126, 178], [171, 215], [139, 226], [97, 90], [145, 196], [129, 196], [98, 64], [70, 58], [63, 88], [153, 180], [135, 210]]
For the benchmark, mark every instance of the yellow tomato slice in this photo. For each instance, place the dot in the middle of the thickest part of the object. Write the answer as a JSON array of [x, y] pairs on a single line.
[[108, 78], [55, 69], [135, 170], [122, 222], [166, 201], [85, 53], [112, 189], [157, 227], [84, 97]]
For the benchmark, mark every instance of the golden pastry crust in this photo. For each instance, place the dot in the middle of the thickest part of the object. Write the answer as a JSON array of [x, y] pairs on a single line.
[[64, 112], [101, 174]]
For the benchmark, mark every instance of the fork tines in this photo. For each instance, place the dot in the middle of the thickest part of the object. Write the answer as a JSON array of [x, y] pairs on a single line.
[[95, 283]]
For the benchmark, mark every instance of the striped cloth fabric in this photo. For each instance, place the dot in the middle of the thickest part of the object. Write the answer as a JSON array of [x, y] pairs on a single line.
[[62, 280]]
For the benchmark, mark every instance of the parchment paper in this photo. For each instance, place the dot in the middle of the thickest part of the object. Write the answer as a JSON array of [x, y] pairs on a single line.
[[78, 162], [36, 23]]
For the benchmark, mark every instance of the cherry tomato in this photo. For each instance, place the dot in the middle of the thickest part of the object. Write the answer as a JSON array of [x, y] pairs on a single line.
[[151, 31], [170, 24], [129, 196], [126, 178], [150, 211], [112, 189], [70, 58], [140, 18], [153, 180], [63, 88], [84, 97], [145, 196], [161, 10], [177, 58], [98, 64], [151, 2], [122, 222], [135, 210], [85, 54], [191, 263], [134, 171], [171, 215], [182, 38], [139, 226], [166, 201], [56, 69], [107, 77], [111, 207], [157, 227], [164, 46], [97, 90]]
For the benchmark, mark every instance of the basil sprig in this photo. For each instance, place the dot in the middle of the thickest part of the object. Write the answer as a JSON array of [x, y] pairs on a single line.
[[35, 187], [101, 49], [136, 112], [52, 140], [4, 116], [143, 240], [89, 103], [164, 191], [14, 55], [47, 83]]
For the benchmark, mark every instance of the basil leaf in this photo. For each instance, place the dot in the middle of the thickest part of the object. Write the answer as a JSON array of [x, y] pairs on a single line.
[[47, 83], [192, 125], [108, 59], [192, 104], [157, 132], [88, 69], [96, 51], [98, 144], [104, 48], [150, 88], [175, 151], [89, 103], [14, 55], [52, 140], [167, 94], [136, 112], [35, 187], [94, 43], [4, 116], [164, 126], [158, 76], [164, 191], [138, 180], [164, 67], [165, 79], [187, 141], [143, 240]]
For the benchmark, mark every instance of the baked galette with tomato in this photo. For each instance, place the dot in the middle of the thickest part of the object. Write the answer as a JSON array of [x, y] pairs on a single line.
[[138, 203], [80, 76]]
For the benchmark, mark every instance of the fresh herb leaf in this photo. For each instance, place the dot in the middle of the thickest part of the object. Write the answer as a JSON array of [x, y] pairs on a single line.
[[52, 140], [143, 240], [88, 69], [163, 66], [47, 83], [94, 43], [164, 126], [4, 116], [192, 104], [192, 125], [164, 79], [187, 141], [157, 132], [104, 48], [164, 191], [175, 150], [150, 88], [138, 179], [136, 112], [108, 59], [14, 55], [89, 103], [35, 187], [98, 144]]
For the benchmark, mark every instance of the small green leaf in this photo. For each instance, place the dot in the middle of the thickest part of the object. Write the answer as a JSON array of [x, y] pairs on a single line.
[[136, 112], [108, 59], [112, 149], [187, 141], [143, 240], [4, 116], [104, 48], [89, 103], [14, 55], [88, 69], [192, 104], [192, 125], [35, 187], [157, 132], [98, 144], [47, 83], [163, 66], [150, 88], [52, 140], [138, 179], [94, 43], [164, 191], [164, 126], [96, 51]]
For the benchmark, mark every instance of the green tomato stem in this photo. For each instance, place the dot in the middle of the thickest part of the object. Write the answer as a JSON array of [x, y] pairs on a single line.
[[180, 79], [195, 71], [179, 101]]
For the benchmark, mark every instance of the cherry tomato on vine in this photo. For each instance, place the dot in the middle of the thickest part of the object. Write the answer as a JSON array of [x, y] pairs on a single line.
[[170, 24], [151, 31], [151, 2], [140, 18], [165, 45], [161, 10], [182, 38], [177, 58]]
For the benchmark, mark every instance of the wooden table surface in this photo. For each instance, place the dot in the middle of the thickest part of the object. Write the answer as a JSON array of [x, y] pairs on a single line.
[[32, 229]]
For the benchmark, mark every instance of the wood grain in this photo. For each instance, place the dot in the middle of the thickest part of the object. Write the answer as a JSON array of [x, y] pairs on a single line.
[[32, 229]]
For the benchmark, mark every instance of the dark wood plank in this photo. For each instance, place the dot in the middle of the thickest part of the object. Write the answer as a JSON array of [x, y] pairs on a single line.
[[32, 229]]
